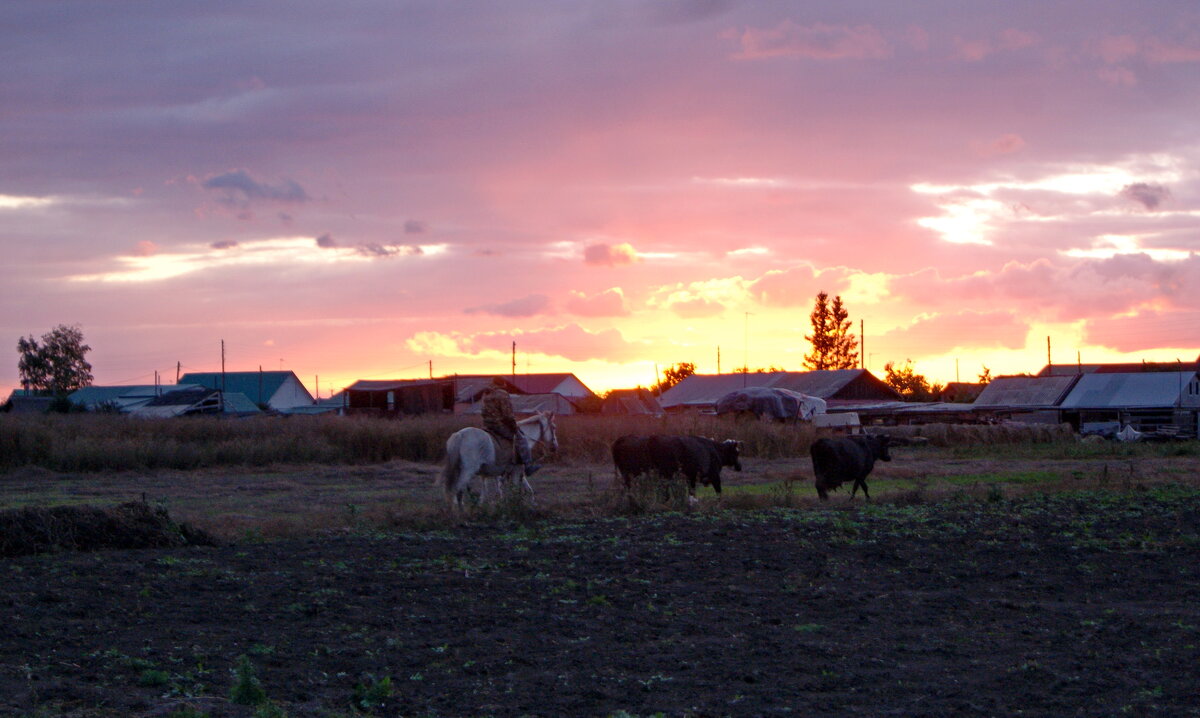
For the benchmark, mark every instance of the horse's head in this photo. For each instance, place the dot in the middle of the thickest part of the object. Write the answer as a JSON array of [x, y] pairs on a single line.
[[549, 430]]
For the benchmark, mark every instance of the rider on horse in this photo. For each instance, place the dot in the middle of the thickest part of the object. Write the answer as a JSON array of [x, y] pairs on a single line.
[[499, 421]]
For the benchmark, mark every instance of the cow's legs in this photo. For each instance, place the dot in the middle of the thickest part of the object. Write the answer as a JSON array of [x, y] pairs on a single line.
[[863, 484]]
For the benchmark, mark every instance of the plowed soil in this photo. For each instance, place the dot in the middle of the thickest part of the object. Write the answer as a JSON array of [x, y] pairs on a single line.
[[1080, 603]]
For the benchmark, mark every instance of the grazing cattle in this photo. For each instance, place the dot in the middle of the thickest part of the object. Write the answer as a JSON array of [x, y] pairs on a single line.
[[698, 458], [849, 458]]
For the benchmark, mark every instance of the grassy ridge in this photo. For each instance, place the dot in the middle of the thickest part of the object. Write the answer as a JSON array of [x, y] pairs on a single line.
[[96, 442]]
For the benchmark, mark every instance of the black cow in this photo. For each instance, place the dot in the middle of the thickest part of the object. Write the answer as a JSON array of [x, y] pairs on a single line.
[[848, 458], [698, 458]]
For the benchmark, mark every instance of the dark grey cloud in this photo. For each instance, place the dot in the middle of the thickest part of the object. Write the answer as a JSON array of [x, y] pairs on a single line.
[[224, 244], [374, 249], [239, 189], [415, 226], [326, 241], [524, 307], [1149, 196]]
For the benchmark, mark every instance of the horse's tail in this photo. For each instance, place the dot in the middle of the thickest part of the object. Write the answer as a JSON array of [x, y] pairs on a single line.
[[453, 465]]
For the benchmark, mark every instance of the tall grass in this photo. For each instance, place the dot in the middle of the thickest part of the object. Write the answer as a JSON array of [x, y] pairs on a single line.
[[97, 442]]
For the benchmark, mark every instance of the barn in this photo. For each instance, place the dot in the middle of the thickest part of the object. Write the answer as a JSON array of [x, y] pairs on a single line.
[[399, 397], [1161, 402], [1029, 399]]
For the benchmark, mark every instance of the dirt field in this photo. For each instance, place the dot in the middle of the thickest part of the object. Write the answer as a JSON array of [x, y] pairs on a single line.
[[1033, 588]]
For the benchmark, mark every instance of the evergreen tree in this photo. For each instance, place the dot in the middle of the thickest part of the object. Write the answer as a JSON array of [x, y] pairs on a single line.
[[833, 345]]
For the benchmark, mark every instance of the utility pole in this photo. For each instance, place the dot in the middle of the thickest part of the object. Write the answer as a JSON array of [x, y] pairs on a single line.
[[862, 345], [178, 366], [514, 360], [718, 360], [222, 400], [1049, 364], [956, 377], [430, 368]]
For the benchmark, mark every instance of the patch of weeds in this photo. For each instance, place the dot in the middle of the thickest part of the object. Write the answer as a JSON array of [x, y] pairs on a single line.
[[269, 710], [247, 689], [153, 678], [372, 693], [599, 600], [187, 712], [808, 627], [259, 649]]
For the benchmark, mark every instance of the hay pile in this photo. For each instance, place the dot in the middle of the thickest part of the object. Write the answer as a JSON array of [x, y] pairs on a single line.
[[980, 434], [90, 528]]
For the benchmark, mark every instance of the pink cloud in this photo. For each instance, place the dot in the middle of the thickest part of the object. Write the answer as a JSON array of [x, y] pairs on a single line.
[[1002, 145], [818, 41], [917, 37], [609, 303], [698, 308], [606, 255], [145, 248], [527, 306], [972, 50], [571, 342], [796, 287], [1117, 48], [1158, 51], [942, 333], [1092, 288], [975, 50], [1120, 76], [1013, 39], [1144, 330]]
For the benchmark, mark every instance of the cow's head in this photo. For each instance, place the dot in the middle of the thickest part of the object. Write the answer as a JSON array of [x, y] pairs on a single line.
[[731, 454], [880, 443]]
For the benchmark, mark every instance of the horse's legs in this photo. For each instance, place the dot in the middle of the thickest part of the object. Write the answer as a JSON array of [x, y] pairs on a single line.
[[527, 487]]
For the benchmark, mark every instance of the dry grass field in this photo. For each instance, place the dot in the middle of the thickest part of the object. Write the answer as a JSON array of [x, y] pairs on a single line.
[[993, 573]]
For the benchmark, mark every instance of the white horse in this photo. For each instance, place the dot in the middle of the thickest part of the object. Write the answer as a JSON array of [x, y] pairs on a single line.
[[471, 452]]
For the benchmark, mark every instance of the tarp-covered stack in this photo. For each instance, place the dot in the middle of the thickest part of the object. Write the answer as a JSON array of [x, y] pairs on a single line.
[[771, 403]]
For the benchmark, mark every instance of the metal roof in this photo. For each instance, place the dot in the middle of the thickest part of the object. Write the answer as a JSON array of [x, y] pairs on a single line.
[[257, 385], [703, 389], [1117, 368], [1134, 390], [1025, 391], [122, 397]]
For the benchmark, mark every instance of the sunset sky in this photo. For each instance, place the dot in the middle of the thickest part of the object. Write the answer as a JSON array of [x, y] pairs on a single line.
[[354, 190]]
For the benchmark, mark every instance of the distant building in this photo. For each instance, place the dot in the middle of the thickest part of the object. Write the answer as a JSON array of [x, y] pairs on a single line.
[[24, 401], [631, 402], [122, 399], [961, 392], [1117, 368], [274, 389], [701, 392], [193, 401], [1147, 401], [399, 397]]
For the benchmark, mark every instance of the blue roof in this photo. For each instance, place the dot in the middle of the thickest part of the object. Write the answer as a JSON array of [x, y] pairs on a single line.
[[243, 382]]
